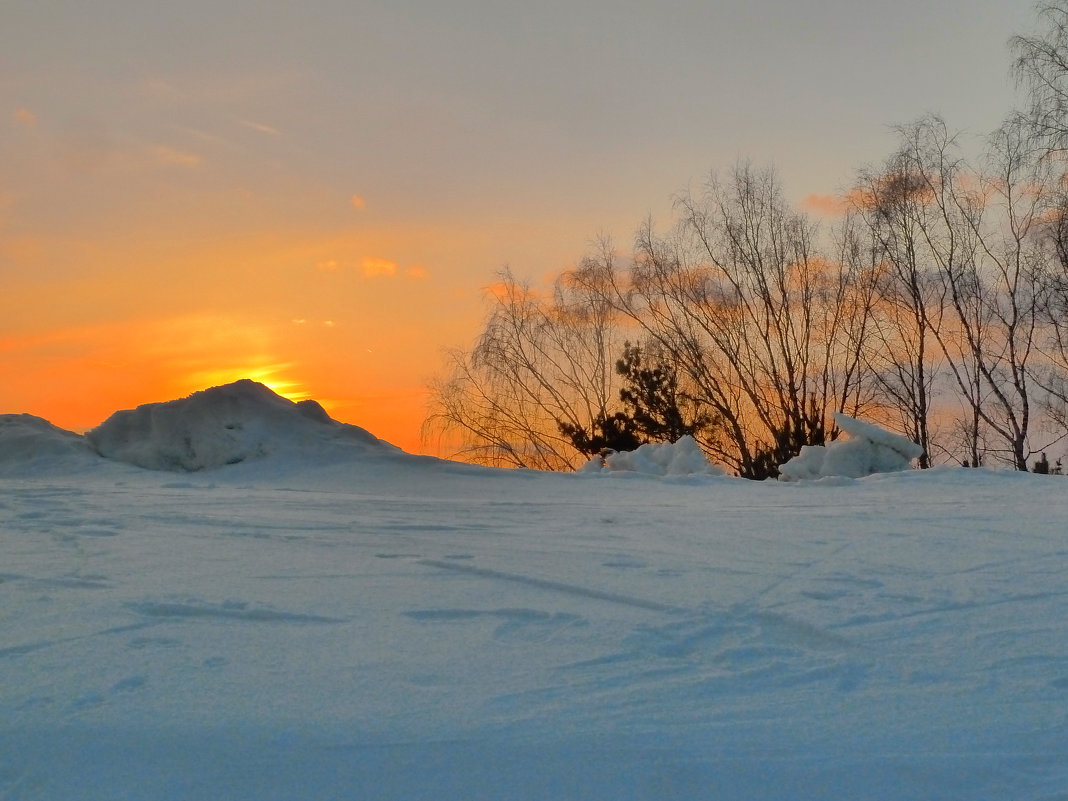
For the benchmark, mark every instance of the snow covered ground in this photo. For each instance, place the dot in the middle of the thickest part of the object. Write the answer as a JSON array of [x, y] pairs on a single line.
[[395, 627]]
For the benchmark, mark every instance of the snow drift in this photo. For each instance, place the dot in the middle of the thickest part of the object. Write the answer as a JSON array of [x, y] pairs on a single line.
[[681, 458], [868, 450], [238, 422], [31, 445]]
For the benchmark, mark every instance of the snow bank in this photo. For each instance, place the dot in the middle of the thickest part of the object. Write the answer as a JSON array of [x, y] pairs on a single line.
[[239, 422], [868, 450], [32, 446], [681, 458]]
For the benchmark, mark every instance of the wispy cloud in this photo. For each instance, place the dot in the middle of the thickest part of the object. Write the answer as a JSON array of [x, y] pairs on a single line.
[[204, 136], [262, 127], [376, 268]]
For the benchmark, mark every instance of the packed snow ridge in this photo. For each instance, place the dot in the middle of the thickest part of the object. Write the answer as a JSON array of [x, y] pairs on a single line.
[[30, 445], [868, 450], [239, 422], [681, 458], [224, 425], [246, 422]]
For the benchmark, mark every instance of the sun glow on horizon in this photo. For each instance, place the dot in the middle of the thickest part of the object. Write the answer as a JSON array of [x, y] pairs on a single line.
[[272, 376], [76, 377]]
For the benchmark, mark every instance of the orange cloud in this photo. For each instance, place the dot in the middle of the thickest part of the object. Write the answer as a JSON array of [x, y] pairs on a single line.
[[825, 205], [373, 267], [358, 202], [418, 273], [508, 292], [25, 117]]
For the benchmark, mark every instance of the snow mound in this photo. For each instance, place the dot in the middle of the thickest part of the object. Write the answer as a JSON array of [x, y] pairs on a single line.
[[868, 450], [681, 458], [231, 424], [32, 446]]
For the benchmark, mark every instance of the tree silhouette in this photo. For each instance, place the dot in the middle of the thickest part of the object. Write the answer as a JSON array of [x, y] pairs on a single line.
[[652, 409]]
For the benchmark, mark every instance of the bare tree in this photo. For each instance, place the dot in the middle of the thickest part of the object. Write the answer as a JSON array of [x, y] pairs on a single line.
[[1012, 195], [964, 251], [946, 217], [765, 329], [893, 202], [859, 281], [1054, 308], [541, 361], [1040, 63], [1041, 68]]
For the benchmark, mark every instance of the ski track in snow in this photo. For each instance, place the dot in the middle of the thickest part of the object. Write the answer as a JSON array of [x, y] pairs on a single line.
[[533, 636]]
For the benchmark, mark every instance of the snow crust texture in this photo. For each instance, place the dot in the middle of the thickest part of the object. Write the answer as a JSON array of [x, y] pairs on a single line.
[[868, 450]]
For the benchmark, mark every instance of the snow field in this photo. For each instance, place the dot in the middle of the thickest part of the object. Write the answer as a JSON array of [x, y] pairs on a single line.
[[301, 611], [395, 629]]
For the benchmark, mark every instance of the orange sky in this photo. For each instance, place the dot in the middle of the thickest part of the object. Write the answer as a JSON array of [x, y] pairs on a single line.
[[194, 280], [316, 200], [94, 326]]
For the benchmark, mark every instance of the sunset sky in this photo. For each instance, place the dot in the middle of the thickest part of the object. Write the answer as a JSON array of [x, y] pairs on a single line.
[[313, 194]]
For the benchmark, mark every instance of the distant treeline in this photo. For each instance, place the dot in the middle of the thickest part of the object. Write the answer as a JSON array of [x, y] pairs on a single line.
[[937, 305]]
